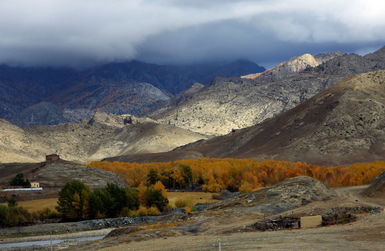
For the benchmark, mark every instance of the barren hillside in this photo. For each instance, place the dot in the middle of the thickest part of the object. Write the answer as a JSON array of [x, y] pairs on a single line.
[[102, 136]]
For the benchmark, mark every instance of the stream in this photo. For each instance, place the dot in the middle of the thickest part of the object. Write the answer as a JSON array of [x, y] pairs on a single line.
[[49, 242]]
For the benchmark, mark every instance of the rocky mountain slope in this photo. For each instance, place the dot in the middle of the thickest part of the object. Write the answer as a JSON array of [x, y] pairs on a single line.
[[294, 65], [344, 124], [377, 188], [104, 135], [236, 103], [15, 144], [126, 87]]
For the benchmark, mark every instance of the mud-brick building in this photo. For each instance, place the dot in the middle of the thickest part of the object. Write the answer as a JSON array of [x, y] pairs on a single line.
[[52, 157]]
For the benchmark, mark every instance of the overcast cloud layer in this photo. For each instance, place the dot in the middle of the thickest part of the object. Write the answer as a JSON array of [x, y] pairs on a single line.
[[77, 32]]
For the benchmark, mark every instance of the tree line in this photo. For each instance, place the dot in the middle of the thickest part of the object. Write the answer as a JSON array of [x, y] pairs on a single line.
[[77, 202], [243, 175]]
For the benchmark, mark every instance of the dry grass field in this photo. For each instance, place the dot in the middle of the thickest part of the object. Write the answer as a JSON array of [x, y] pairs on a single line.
[[36, 205], [191, 198]]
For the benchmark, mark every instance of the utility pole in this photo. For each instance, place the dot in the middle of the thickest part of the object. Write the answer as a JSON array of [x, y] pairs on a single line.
[[50, 240]]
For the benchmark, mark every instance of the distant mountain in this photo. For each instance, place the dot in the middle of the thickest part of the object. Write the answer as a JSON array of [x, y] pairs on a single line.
[[128, 87], [343, 124], [102, 136], [235, 103], [21, 87]]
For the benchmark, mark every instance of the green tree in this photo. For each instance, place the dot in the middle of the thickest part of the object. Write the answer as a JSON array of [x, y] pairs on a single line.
[[154, 197], [152, 177], [73, 202], [100, 202], [187, 175], [111, 200], [19, 180]]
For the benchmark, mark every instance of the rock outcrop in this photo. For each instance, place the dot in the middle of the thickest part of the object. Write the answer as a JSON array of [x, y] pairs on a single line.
[[286, 195], [377, 188]]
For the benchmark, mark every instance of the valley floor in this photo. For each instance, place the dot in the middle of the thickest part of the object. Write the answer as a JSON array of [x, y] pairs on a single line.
[[368, 233]]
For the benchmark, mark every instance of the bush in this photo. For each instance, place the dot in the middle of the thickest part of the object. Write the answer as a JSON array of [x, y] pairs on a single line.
[[153, 211], [180, 203], [46, 213], [144, 211]]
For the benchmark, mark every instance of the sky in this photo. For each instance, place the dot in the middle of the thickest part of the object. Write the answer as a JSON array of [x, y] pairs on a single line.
[[87, 32]]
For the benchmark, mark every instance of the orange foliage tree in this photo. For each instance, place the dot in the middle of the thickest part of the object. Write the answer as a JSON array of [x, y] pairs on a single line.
[[215, 175]]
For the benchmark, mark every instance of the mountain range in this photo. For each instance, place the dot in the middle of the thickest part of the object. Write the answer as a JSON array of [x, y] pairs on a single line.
[[234, 103], [324, 109], [49, 96], [343, 124]]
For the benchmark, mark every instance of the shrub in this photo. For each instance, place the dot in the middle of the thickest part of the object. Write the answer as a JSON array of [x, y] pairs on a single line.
[[142, 211], [180, 203], [46, 213], [145, 211], [153, 211]]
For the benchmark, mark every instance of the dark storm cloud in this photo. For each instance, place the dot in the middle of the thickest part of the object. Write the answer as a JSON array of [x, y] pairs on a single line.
[[73, 32]]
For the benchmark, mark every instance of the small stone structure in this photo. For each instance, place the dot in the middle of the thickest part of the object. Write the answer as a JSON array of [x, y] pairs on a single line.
[[277, 224], [35, 184], [52, 157], [311, 221]]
